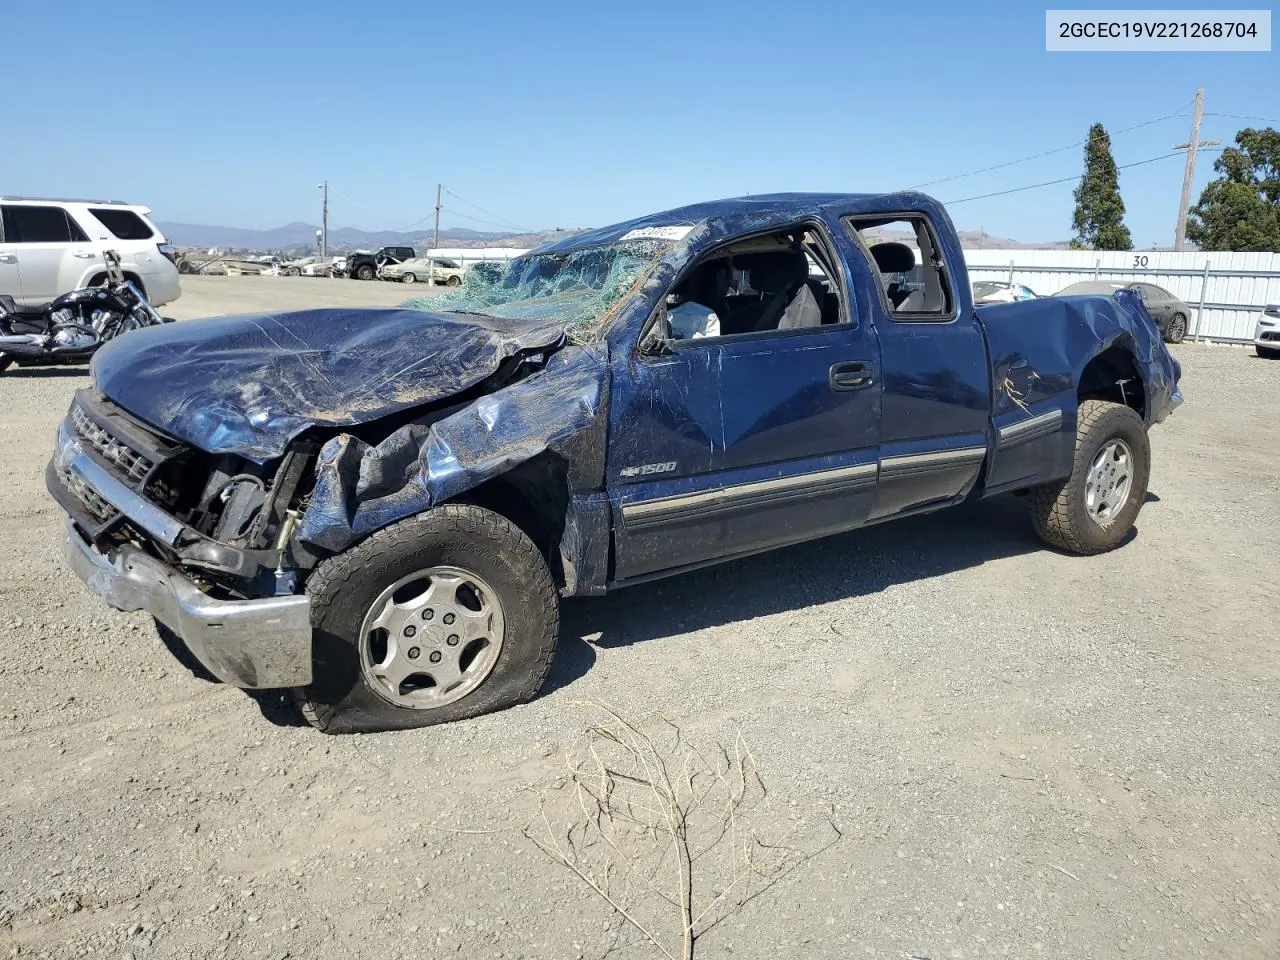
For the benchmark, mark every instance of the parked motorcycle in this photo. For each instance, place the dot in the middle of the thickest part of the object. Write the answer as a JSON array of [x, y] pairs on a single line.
[[76, 324]]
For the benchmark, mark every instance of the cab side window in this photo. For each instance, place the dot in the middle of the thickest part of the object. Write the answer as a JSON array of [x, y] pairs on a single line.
[[904, 256], [28, 224], [771, 283]]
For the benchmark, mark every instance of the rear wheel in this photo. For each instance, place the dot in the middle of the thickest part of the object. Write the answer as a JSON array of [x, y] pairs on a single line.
[[453, 281], [292, 272], [1176, 332], [1093, 510], [444, 616]]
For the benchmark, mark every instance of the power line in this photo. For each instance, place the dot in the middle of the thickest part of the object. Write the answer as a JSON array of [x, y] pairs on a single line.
[[1236, 116], [357, 203], [488, 213], [488, 223], [1050, 183], [1046, 153]]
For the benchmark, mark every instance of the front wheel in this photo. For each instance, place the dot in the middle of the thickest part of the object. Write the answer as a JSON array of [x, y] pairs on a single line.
[[446, 615], [1176, 332], [409, 278], [365, 273], [453, 281], [1267, 353], [1094, 509], [5, 362]]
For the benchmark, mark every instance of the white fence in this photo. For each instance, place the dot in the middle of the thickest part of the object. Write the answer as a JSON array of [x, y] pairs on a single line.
[[1226, 291], [469, 255]]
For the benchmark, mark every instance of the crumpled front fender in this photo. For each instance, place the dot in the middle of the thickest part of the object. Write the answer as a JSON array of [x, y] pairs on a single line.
[[361, 488]]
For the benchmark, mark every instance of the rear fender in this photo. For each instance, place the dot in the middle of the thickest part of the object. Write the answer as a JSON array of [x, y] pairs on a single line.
[[1039, 350]]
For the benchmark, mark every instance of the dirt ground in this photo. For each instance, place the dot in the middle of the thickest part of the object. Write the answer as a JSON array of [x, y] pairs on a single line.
[[211, 296], [1027, 754]]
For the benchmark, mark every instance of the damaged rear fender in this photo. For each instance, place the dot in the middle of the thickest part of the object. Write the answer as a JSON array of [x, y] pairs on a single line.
[[558, 412]]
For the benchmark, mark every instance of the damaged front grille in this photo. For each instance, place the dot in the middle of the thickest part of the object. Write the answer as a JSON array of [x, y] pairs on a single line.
[[97, 506], [134, 465]]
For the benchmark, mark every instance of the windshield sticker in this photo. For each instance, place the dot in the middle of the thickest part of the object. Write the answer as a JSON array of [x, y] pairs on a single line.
[[657, 233]]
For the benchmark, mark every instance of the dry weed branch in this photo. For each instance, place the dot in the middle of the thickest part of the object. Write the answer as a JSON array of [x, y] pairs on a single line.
[[663, 830]]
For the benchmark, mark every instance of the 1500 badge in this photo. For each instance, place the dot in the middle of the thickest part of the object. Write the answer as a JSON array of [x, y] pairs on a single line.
[[647, 469]]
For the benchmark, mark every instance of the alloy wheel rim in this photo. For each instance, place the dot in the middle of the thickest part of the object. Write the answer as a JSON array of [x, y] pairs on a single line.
[[1108, 482], [431, 638]]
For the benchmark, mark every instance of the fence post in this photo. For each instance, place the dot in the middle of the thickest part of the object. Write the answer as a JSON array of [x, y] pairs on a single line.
[[1097, 267], [1010, 273], [1204, 288]]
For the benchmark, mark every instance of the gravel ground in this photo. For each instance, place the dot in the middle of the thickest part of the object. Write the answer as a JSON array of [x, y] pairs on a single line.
[[1028, 754], [210, 296]]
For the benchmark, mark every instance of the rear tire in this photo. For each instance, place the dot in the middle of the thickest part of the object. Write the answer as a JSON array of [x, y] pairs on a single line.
[[1176, 332], [453, 281], [350, 592], [1267, 353], [1069, 514]]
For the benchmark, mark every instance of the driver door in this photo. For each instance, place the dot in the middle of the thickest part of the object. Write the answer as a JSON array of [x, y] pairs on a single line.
[[726, 446]]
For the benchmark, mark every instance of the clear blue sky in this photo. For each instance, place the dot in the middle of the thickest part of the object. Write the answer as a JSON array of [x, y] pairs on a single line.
[[571, 114]]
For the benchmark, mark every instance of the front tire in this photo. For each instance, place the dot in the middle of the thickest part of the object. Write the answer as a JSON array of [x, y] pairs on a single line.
[[1093, 510], [1176, 332], [366, 272], [409, 278], [453, 281], [1267, 353], [444, 616]]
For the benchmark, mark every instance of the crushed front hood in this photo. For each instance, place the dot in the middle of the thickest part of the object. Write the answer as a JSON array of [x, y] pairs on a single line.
[[250, 384]]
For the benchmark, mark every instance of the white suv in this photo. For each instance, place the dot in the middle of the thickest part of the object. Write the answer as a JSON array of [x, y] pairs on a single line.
[[51, 247]]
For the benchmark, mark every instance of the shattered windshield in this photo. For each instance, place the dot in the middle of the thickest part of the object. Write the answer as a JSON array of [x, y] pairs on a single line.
[[577, 288]]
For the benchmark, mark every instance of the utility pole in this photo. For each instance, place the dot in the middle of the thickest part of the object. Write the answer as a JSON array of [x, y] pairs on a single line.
[[324, 221], [435, 244], [1191, 146]]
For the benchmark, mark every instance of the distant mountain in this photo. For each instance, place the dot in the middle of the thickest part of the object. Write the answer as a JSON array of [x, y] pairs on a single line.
[[293, 235], [974, 240], [977, 240]]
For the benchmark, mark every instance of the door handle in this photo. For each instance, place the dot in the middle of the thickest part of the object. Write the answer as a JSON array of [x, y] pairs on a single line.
[[8, 258], [850, 375], [85, 256]]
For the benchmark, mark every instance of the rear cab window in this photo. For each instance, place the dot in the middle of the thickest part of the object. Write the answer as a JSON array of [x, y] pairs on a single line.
[[915, 283], [24, 223], [123, 224]]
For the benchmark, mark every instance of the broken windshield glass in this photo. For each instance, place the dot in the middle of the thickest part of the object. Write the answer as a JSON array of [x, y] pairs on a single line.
[[577, 288]]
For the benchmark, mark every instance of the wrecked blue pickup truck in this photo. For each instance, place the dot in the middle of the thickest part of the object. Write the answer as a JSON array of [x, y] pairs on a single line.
[[380, 508]]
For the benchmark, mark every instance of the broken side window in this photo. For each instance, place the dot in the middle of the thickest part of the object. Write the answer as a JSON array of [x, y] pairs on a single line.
[[904, 255]]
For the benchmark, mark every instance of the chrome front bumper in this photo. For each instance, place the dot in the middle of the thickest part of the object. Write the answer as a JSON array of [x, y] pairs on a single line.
[[253, 644]]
